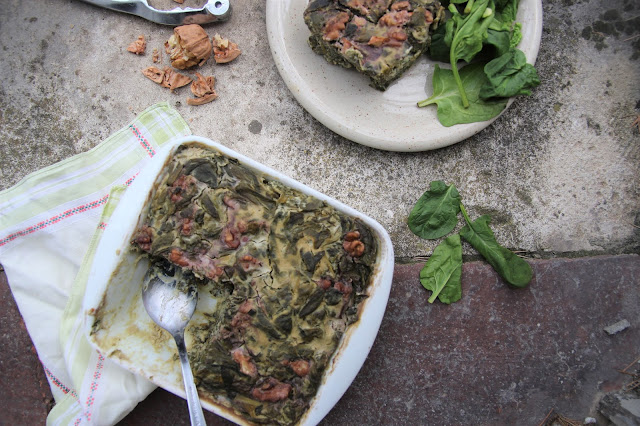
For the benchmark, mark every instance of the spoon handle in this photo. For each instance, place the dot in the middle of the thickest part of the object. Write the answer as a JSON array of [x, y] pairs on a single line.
[[195, 409]]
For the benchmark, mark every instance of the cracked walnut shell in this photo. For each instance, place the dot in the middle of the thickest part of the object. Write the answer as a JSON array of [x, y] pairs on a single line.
[[203, 89], [188, 46], [138, 46], [224, 50], [166, 78]]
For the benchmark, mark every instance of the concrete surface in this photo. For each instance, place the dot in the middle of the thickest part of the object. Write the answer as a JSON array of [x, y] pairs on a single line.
[[498, 357], [558, 172]]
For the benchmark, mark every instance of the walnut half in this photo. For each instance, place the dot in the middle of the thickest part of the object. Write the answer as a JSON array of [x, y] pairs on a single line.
[[188, 46]]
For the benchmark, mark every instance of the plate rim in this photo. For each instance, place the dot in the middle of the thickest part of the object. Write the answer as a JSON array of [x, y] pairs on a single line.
[[318, 109]]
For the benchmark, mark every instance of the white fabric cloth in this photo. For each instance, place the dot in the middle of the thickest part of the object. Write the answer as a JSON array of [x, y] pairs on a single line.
[[50, 224]]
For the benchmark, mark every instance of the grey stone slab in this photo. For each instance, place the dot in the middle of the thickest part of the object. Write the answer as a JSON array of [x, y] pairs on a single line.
[[498, 356]]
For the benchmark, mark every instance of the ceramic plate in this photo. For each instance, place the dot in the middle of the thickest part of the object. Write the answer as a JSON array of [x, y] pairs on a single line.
[[127, 336], [343, 101]]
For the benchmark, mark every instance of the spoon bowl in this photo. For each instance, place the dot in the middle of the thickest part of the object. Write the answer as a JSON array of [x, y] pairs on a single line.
[[171, 301]]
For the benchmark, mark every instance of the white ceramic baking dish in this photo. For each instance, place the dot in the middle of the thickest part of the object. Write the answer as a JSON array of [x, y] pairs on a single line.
[[128, 336]]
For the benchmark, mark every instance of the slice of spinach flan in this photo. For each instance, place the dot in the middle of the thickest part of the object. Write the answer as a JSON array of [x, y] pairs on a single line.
[[379, 38]]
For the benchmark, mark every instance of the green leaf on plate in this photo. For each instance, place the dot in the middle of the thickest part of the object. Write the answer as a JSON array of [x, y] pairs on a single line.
[[447, 96]]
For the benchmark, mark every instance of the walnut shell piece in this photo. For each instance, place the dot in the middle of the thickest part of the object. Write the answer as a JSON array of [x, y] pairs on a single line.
[[138, 46], [224, 50], [188, 46], [172, 80], [154, 74], [167, 77], [203, 89]]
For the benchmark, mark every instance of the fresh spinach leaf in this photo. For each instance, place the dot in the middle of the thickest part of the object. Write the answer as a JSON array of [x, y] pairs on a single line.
[[515, 270], [439, 49], [480, 30], [446, 95], [500, 40], [516, 35], [442, 273], [436, 211], [509, 75], [467, 34], [506, 11]]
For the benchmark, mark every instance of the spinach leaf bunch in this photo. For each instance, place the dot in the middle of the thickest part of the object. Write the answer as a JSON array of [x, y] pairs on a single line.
[[436, 215], [484, 34]]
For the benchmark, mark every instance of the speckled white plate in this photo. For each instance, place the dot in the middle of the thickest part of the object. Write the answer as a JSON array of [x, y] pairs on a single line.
[[343, 101]]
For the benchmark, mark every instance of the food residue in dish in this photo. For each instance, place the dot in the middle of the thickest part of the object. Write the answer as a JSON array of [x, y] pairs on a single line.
[[288, 271]]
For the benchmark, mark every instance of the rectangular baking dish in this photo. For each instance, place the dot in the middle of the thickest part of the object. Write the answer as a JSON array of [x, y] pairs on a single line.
[[128, 336]]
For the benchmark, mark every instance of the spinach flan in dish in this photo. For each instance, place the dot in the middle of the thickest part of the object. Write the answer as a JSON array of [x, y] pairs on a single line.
[[288, 271], [379, 38]]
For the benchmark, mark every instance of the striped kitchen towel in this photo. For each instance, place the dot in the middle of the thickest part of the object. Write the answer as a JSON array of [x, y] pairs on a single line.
[[50, 224]]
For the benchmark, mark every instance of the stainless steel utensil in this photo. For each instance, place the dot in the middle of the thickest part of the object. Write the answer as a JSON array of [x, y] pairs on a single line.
[[212, 11], [171, 302]]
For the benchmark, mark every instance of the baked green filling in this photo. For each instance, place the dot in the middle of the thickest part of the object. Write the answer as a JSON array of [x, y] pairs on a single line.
[[288, 271], [379, 38]]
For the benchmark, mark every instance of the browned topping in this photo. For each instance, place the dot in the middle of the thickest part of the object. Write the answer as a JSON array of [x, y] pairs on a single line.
[[352, 236], [428, 16], [324, 284], [155, 55], [395, 19], [246, 306], [187, 226], [214, 271], [344, 287], [176, 256], [359, 21], [230, 237], [353, 245], [180, 186], [242, 357], [397, 38], [401, 5], [335, 25], [398, 35], [139, 46], [247, 262], [144, 237], [301, 367], [377, 41], [224, 50], [271, 390]]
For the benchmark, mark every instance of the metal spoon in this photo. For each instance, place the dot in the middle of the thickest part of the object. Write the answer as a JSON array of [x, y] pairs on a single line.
[[170, 302]]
